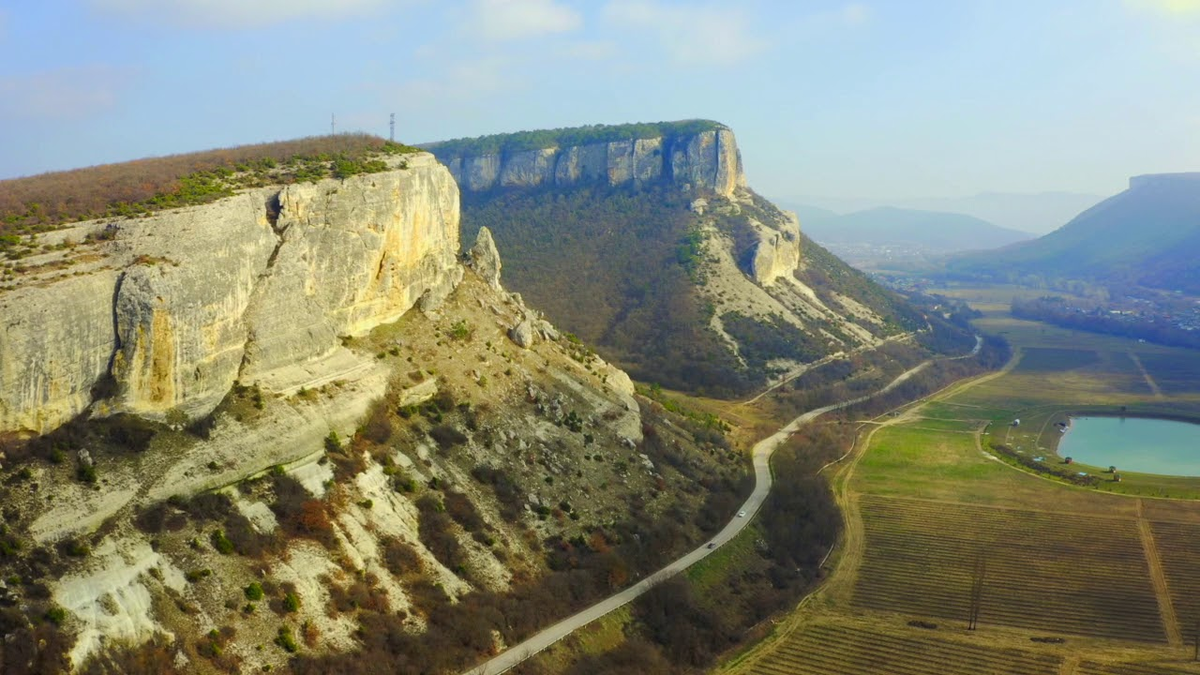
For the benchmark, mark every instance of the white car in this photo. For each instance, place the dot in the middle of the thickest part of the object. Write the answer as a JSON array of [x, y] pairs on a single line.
[[741, 514]]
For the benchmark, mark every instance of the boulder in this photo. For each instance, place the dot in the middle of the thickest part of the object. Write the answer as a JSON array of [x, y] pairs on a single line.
[[522, 334]]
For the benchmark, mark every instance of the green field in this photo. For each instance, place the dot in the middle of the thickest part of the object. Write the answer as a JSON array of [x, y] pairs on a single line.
[[932, 513]]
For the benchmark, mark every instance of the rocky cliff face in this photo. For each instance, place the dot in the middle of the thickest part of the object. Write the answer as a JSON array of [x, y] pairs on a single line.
[[357, 460], [169, 310], [707, 160]]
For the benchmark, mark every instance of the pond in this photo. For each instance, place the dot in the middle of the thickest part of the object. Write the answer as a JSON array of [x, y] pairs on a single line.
[[1137, 444]]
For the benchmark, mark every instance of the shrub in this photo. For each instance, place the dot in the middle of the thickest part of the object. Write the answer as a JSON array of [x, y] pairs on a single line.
[[291, 603], [447, 436], [221, 543], [463, 511], [460, 331], [75, 548], [86, 473], [56, 615], [197, 575], [400, 558], [286, 640], [254, 592]]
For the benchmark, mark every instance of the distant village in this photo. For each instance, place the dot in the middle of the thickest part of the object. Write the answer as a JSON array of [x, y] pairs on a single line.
[[1162, 317]]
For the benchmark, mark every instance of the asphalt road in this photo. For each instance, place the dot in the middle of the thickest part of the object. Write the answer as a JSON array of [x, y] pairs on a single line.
[[762, 487]]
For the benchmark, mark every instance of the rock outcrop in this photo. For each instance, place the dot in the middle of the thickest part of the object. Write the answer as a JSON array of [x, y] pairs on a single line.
[[707, 160], [173, 308], [777, 252], [485, 259]]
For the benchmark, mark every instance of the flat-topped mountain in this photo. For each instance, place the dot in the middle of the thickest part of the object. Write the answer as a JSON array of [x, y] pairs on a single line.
[[696, 153], [1148, 235], [645, 240]]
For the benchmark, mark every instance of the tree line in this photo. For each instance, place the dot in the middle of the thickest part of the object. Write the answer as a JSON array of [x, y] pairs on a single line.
[[521, 141]]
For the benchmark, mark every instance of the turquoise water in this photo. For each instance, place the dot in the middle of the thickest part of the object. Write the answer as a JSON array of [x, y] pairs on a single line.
[[1134, 444]]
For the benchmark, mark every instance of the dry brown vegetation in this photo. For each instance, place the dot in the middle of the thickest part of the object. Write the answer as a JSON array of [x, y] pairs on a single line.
[[47, 201]]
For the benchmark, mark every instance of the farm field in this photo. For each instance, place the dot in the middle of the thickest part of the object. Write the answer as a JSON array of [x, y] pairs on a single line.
[[836, 650], [1093, 668], [1054, 573], [1181, 563], [938, 528]]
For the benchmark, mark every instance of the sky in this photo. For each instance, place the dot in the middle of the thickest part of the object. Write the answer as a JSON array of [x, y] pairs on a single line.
[[874, 98]]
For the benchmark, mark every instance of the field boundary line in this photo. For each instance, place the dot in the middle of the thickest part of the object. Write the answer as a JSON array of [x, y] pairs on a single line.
[[1146, 374], [1159, 579], [1000, 507]]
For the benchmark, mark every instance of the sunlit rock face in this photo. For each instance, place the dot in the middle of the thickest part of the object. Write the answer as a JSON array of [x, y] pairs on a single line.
[[175, 307]]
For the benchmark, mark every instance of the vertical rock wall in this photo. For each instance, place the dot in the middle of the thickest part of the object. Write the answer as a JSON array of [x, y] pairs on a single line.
[[707, 160], [55, 345], [255, 287]]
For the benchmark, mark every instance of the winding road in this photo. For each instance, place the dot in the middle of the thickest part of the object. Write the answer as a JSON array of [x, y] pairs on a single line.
[[762, 452]]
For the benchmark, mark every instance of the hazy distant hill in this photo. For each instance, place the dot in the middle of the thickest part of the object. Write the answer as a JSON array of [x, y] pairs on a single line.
[[888, 238], [1036, 213], [1147, 235], [933, 231]]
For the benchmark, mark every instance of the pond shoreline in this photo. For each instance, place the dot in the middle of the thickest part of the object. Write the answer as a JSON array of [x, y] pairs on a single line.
[[1145, 444]]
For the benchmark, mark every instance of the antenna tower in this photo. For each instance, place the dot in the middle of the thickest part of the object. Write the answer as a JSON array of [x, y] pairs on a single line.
[[392, 127], [332, 125]]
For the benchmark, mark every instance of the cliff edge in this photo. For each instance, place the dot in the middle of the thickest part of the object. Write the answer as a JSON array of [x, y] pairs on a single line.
[[697, 153], [166, 312]]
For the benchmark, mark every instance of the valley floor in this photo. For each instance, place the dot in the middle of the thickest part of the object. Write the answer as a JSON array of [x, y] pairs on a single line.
[[953, 561]]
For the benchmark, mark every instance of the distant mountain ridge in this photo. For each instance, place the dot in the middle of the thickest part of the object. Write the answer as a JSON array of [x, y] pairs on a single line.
[[934, 231], [1035, 213], [1148, 235]]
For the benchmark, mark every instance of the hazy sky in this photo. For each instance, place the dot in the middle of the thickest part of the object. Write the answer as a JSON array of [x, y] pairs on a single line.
[[895, 98]]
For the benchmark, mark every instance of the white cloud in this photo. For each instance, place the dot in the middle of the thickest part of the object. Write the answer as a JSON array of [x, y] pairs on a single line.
[[518, 19], [856, 14], [234, 13], [694, 35], [63, 93]]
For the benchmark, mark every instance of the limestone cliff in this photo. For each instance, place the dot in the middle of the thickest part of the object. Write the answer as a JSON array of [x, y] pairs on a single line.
[[705, 160], [777, 251], [169, 310], [356, 461], [662, 256], [696, 155]]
